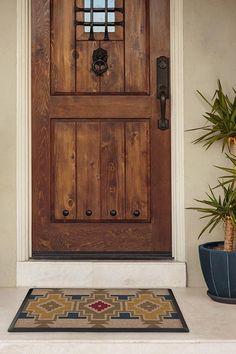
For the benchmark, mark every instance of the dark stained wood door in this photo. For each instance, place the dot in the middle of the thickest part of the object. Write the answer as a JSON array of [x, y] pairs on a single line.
[[101, 167]]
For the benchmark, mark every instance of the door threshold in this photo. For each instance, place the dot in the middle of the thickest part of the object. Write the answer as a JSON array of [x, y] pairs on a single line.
[[102, 256], [101, 273]]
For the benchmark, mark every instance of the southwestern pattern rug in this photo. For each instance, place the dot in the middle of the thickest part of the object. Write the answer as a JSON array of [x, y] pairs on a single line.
[[99, 310]]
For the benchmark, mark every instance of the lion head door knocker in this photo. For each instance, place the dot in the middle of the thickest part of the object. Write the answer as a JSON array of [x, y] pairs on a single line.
[[99, 65]]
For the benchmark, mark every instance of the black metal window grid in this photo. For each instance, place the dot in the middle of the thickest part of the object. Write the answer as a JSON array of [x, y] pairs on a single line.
[[99, 16]]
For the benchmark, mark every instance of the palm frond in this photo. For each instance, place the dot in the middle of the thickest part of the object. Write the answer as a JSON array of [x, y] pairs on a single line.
[[231, 177], [217, 207], [222, 119]]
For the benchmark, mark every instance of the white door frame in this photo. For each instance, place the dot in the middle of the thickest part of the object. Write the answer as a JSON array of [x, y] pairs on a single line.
[[24, 205]]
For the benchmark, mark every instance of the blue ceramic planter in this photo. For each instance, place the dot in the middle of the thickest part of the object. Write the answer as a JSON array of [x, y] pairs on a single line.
[[219, 271]]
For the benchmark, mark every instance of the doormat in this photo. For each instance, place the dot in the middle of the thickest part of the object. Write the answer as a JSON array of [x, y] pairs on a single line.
[[99, 310]]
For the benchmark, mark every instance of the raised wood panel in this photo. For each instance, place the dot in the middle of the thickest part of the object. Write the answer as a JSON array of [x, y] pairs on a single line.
[[64, 170], [112, 170], [128, 58], [137, 170], [88, 170], [136, 47], [100, 167], [113, 79], [86, 80], [63, 46]]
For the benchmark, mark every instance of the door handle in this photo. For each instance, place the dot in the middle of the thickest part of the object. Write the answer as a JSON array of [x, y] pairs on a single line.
[[163, 90]]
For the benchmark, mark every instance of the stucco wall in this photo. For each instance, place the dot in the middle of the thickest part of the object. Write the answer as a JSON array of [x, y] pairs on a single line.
[[209, 53], [7, 142]]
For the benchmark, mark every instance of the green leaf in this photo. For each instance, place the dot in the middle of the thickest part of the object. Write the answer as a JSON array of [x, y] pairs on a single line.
[[217, 207], [222, 119]]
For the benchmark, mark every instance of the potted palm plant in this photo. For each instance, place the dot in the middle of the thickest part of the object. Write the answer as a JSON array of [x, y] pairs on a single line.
[[218, 259]]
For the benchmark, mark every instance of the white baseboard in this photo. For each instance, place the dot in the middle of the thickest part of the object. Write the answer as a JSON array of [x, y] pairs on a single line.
[[101, 274]]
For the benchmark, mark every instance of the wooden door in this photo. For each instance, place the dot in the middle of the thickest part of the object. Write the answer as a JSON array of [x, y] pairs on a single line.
[[101, 166]]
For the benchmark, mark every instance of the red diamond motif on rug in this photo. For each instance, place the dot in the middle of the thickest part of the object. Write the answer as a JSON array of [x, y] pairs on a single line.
[[99, 306]]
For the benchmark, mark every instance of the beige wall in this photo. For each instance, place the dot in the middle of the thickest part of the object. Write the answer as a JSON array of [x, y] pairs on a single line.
[[7, 142], [209, 53]]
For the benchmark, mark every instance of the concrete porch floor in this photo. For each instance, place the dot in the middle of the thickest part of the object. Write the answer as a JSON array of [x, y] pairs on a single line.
[[212, 330]]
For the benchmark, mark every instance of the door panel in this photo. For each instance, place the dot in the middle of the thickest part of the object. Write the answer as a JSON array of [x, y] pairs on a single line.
[[128, 59], [101, 167], [106, 165]]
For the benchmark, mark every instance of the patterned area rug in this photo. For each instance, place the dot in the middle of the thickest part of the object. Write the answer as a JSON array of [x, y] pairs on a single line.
[[99, 310]]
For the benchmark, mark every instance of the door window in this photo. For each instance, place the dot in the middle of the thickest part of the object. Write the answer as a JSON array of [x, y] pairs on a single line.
[[99, 12]]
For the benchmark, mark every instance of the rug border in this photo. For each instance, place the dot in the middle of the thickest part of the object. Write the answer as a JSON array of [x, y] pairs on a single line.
[[184, 328]]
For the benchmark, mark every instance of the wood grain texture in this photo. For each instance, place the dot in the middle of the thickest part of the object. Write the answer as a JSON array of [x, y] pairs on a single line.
[[112, 170], [101, 107], [63, 46], [86, 80], [82, 237], [88, 170], [137, 170], [161, 140], [113, 79], [159, 35], [80, 34], [136, 46], [64, 170], [40, 124], [152, 234]]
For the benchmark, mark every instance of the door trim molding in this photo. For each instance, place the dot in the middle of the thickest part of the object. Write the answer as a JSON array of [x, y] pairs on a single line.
[[177, 129], [23, 134], [24, 205]]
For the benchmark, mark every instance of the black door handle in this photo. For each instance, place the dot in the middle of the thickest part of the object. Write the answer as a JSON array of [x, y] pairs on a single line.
[[163, 123], [163, 89]]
